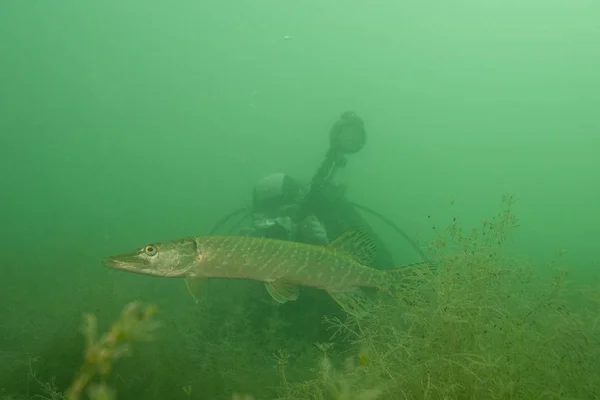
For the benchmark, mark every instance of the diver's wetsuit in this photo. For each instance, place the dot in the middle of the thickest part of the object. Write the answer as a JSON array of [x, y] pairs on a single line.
[[276, 213], [338, 215]]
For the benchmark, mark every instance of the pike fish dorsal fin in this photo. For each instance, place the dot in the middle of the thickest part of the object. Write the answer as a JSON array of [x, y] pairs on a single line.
[[358, 244], [195, 286], [282, 292]]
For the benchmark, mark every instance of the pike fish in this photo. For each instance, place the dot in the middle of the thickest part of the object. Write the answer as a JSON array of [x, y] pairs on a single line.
[[340, 267]]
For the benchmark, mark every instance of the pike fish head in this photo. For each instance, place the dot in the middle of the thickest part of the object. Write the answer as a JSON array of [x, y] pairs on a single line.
[[168, 259]]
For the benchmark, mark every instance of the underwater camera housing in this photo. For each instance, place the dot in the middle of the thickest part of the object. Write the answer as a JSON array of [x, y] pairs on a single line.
[[348, 134]]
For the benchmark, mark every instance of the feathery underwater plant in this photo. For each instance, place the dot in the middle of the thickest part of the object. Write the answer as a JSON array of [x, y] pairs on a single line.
[[134, 324]]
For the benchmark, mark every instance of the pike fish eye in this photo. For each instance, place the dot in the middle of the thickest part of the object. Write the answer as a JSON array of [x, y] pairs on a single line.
[[150, 250]]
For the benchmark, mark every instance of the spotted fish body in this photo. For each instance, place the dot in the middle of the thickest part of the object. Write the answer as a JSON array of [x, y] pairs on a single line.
[[339, 267], [268, 260]]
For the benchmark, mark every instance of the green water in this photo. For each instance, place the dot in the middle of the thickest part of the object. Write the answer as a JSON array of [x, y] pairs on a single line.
[[123, 123]]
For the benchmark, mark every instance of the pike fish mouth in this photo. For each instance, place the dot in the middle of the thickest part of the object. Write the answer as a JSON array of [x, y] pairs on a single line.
[[135, 267], [111, 262], [117, 263]]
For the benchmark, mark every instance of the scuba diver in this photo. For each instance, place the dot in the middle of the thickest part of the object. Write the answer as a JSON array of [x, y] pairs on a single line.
[[277, 213], [318, 212], [276, 200]]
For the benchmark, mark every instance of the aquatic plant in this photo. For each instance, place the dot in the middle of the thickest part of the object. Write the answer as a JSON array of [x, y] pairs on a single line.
[[484, 326], [134, 324]]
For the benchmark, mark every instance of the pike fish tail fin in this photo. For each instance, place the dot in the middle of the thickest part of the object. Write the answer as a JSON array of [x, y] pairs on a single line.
[[400, 279], [400, 283], [397, 282]]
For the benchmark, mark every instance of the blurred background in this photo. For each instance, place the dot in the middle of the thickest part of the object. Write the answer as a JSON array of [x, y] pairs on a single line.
[[123, 123]]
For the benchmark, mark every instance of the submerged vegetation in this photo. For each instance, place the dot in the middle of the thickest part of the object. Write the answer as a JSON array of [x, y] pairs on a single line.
[[485, 325], [135, 324]]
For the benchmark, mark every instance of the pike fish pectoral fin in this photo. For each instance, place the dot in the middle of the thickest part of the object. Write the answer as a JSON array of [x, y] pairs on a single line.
[[196, 286], [281, 291]]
